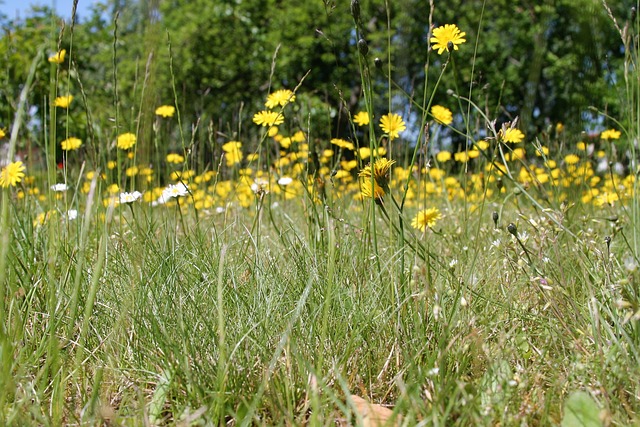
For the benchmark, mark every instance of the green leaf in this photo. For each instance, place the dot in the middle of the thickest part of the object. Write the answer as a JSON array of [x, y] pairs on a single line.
[[159, 397], [580, 410]]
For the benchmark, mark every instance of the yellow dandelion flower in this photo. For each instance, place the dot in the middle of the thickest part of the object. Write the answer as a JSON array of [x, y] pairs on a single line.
[[426, 218], [543, 151], [461, 156], [285, 142], [3, 133], [581, 146], [166, 111], [63, 101], [280, 98], [175, 158], [442, 114], [571, 159], [364, 152], [58, 58], [126, 141], [482, 145], [233, 152], [449, 33], [273, 131], [298, 137], [71, 144], [361, 119], [11, 174], [381, 168], [343, 144], [392, 124], [511, 135], [610, 134], [348, 165], [132, 171], [443, 156], [365, 189], [268, 118], [111, 164]]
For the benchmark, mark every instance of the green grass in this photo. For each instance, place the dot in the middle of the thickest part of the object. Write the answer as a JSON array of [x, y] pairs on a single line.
[[304, 325], [276, 311]]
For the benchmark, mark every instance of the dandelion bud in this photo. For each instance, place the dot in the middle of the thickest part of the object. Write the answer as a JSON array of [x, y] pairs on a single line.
[[607, 240], [511, 228], [449, 46], [363, 47], [633, 14], [499, 184], [377, 62], [355, 10], [495, 218]]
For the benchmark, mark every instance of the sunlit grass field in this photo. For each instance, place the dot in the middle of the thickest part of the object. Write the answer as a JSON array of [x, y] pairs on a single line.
[[280, 278]]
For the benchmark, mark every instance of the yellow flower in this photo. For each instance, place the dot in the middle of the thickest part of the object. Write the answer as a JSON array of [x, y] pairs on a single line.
[[12, 174], [426, 218], [268, 118], [343, 144], [58, 58], [571, 159], [132, 171], [166, 111], [280, 97], [365, 189], [511, 135], [233, 154], [126, 141], [381, 168], [361, 119], [175, 158], [443, 156], [273, 131], [2, 133], [70, 144], [610, 134], [482, 145], [392, 124], [364, 152], [442, 36], [111, 164], [581, 146], [442, 114], [298, 137], [63, 101]]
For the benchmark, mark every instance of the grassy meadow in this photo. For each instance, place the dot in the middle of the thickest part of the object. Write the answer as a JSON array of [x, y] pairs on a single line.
[[267, 276]]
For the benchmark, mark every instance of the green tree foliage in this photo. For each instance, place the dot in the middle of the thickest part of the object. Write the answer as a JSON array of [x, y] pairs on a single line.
[[544, 61]]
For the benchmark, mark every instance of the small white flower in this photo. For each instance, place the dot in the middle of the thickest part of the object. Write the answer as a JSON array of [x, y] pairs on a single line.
[[72, 214], [285, 180], [174, 190], [433, 371], [60, 187], [260, 185], [453, 263], [220, 209], [130, 197]]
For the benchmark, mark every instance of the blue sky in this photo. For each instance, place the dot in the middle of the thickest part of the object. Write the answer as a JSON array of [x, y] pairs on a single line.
[[14, 8]]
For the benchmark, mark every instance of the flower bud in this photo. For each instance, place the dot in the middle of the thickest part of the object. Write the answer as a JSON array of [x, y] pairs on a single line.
[[377, 62], [355, 10], [495, 218], [511, 228], [363, 48]]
